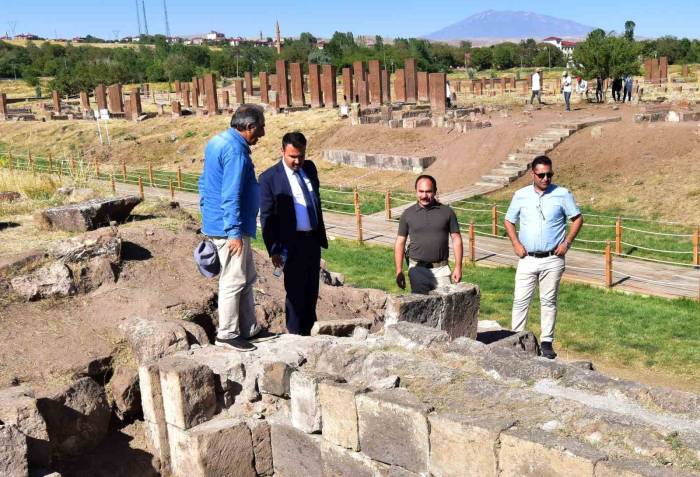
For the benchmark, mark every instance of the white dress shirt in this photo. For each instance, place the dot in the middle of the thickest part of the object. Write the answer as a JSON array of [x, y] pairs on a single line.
[[300, 207]]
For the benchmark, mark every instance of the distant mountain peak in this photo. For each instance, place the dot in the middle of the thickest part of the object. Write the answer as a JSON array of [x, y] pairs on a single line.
[[492, 24]]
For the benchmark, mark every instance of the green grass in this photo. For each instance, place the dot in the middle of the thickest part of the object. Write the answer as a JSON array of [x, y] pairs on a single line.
[[628, 331]]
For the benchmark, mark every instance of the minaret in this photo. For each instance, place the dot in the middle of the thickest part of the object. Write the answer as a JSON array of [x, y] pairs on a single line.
[[278, 38]]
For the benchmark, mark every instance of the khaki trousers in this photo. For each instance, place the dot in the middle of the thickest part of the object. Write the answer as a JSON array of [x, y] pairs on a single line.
[[423, 280], [547, 273], [236, 300]]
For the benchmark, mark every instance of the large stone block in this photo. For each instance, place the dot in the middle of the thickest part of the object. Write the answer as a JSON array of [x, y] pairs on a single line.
[[217, 448], [295, 453], [77, 417], [636, 468], [454, 309], [339, 414], [86, 215], [394, 429], [305, 401], [464, 447], [412, 336], [13, 452], [534, 452], [340, 462], [275, 378], [189, 396], [340, 327], [18, 407], [153, 339]]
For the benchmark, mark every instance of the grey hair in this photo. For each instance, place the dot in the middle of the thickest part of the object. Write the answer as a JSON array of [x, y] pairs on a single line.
[[247, 116]]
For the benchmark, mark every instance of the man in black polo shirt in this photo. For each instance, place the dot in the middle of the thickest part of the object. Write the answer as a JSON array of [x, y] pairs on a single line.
[[429, 224]]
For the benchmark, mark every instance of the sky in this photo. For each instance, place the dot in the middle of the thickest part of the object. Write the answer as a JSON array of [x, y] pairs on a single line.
[[390, 18]]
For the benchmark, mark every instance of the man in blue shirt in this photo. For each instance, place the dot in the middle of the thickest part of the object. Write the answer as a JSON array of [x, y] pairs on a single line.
[[542, 242], [229, 201]]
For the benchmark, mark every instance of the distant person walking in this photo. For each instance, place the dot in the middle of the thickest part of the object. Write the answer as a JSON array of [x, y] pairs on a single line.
[[566, 89], [628, 85], [582, 87], [599, 89], [229, 202], [616, 89], [541, 244], [429, 224], [448, 94], [536, 86]]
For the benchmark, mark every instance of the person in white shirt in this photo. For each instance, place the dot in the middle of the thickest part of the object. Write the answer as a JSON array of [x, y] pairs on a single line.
[[448, 94], [582, 87], [566, 89], [536, 86]]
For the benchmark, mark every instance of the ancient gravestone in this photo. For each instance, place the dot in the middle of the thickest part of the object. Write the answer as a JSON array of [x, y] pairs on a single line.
[[297, 84], [400, 86], [315, 85], [135, 103], [386, 87], [264, 87], [210, 91], [330, 95], [238, 90], [374, 78], [114, 98], [87, 215], [423, 94], [348, 86], [282, 84], [84, 101], [224, 99], [3, 105], [185, 88], [248, 78], [438, 102], [410, 69], [358, 72], [56, 98], [196, 91]]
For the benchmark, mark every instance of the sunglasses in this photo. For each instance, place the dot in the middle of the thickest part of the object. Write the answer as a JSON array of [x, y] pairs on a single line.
[[542, 175]]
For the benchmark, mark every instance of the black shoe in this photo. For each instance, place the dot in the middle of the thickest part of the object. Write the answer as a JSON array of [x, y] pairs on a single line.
[[547, 350], [236, 344], [263, 335]]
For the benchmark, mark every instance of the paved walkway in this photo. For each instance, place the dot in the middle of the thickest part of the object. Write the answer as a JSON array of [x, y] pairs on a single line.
[[629, 275]]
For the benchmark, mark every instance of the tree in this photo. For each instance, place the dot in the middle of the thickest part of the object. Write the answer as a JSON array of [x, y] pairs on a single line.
[[629, 30], [482, 58], [548, 55], [504, 55]]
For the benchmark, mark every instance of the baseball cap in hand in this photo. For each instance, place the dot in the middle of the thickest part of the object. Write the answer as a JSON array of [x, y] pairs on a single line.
[[207, 259]]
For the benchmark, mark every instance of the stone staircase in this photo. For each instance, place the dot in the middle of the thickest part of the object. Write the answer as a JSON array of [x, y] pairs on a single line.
[[518, 162]]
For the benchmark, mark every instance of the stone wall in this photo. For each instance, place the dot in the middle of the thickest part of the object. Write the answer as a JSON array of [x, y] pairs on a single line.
[[378, 161]]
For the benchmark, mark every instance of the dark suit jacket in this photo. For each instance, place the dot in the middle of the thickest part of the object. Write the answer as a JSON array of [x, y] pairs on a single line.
[[277, 216]]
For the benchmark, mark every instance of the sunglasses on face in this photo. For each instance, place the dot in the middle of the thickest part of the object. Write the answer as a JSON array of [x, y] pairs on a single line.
[[542, 175]]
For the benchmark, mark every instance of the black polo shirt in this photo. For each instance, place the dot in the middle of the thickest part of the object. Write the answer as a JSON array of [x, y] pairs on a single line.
[[429, 229]]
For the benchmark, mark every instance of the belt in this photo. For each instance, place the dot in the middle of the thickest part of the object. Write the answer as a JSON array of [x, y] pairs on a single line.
[[306, 233], [540, 254], [441, 263]]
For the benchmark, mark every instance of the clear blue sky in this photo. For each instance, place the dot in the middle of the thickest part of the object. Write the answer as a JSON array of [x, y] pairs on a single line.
[[68, 18]]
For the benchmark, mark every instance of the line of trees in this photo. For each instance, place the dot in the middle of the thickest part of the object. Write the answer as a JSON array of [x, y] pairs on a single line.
[[83, 67]]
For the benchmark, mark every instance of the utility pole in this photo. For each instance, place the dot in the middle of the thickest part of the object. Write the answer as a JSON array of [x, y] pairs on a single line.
[[145, 20], [138, 16], [116, 35], [167, 23]]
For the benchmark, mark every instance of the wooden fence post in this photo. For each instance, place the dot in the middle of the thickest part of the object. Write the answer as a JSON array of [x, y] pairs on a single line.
[[608, 265], [472, 243], [179, 178], [114, 186], [494, 220], [618, 236], [358, 215], [31, 162], [97, 169], [141, 188], [124, 171], [72, 166], [11, 160], [50, 163], [172, 190], [150, 172], [387, 205], [696, 248]]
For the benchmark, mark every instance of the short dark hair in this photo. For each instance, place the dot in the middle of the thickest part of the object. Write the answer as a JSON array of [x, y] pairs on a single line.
[[246, 116], [426, 176], [544, 160], [296, 139]]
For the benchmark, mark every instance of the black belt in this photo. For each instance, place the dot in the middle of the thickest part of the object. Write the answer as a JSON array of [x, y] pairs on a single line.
[[306, 233], [420, 263], [540, 254]]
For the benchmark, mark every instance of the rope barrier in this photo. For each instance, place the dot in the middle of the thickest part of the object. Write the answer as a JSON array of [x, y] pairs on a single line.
[[654, 249], [656, 233], [647, 259]]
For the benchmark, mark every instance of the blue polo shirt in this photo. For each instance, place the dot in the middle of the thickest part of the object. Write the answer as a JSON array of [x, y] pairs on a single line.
[[228, 189], [542, 217]]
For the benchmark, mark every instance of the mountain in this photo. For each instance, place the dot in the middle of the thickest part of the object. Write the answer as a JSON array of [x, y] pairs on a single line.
[[492, 24]]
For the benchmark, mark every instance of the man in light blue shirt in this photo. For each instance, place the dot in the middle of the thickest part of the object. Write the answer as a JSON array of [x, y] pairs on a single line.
[[229, 201], [542, 210]]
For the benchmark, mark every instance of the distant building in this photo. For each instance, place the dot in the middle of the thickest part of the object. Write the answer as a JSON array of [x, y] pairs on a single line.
[[215, 36], [27, 36], [78, 39], [566, 47]]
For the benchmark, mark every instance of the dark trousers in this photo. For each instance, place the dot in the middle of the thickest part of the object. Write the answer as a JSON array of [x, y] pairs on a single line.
[[301, 276], [536, 94], [627, 94], [567, 100]]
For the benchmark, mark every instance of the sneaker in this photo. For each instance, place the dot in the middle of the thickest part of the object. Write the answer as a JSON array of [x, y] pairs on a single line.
[[236, 344], [547, 350], [263, 335]]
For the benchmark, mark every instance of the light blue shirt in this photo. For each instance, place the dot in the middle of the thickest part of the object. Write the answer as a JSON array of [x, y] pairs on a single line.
[[542, 217]]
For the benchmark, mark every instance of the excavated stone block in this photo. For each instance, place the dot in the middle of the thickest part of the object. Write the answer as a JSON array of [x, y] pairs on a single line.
[[454, 309], [53, 280], [339, 414], [87, 215], [189, 396], [18, 407], [295, 453], [341, 462], [461, 446], [412, 336], [393, 427], [340, 327], [275, 378], [635, 468], [262, 446], [124, 387], [305, 402], [522, 341], [534, 452], [13, 452], [217, 448], [153, 339]]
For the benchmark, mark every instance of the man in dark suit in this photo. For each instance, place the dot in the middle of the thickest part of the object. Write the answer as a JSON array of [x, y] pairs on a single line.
[[292, 224]]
